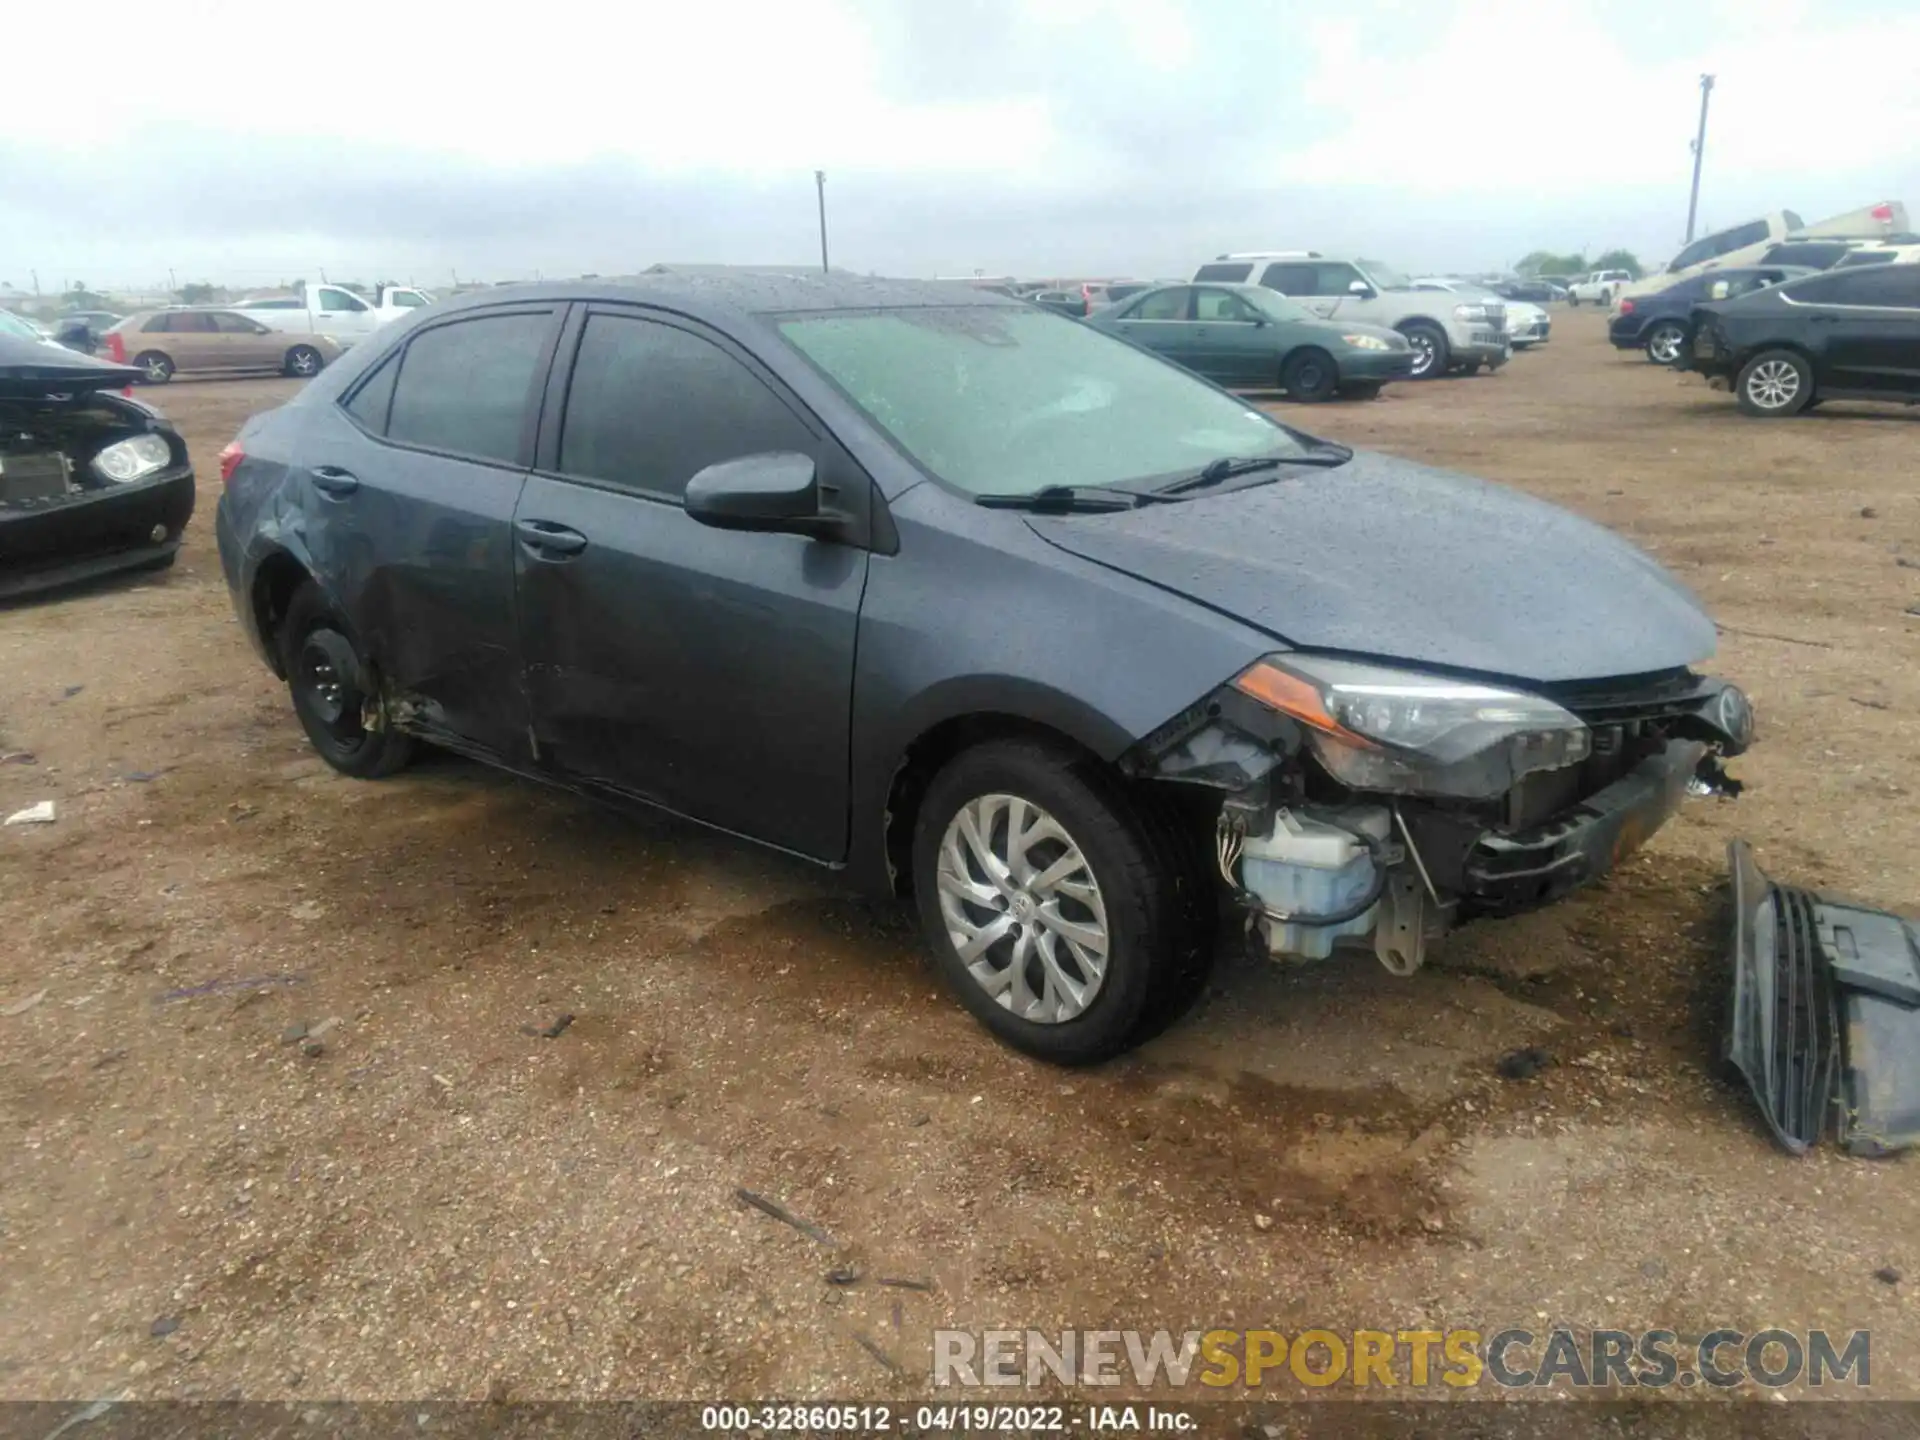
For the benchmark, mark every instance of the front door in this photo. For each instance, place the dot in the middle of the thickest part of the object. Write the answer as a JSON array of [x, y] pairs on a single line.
[[1236, 339], [1872, 316], [248, 344], [414, 478], [342, 314], [709, 671]]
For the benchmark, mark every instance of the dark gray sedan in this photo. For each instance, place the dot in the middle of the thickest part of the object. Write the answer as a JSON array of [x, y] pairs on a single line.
[[979, 605]]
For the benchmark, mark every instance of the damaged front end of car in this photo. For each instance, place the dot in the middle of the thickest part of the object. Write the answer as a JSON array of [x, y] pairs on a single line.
[[1370, 806]]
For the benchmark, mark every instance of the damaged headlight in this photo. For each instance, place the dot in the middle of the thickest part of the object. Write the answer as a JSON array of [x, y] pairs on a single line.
[[134, 459], [1375, 728]]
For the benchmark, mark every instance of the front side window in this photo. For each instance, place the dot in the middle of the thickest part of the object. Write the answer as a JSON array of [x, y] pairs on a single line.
[[228, 324], [650, 405], [1741, 236], [999, 401], [1694, 254], [333, 300], [1223, 306], [1168, 304], [408, 299], [464, 388]]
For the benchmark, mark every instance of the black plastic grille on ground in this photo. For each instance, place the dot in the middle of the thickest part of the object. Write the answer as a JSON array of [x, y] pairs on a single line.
[[1805, 1061]]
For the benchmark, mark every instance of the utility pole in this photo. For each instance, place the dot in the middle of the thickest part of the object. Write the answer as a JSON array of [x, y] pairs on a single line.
[[1699, 153], [820, 184]]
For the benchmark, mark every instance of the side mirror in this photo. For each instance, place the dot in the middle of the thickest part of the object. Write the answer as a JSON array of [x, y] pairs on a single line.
[[777, 491], [1361, 288]]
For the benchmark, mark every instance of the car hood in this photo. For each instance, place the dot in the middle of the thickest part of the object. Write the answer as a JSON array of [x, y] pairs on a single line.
[[30, 369], [1385, 558]]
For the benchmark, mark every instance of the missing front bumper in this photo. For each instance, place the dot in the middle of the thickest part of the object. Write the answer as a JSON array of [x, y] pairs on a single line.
[[1825, 1020]]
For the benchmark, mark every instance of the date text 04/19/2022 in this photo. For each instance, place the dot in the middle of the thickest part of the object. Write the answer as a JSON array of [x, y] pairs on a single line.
[[958, 1419]]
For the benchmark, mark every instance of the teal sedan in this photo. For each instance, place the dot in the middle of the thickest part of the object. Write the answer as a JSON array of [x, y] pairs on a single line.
[[1252, 338]]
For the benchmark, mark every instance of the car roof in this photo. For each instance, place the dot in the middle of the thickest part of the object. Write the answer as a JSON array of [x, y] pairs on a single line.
[[738, 296]]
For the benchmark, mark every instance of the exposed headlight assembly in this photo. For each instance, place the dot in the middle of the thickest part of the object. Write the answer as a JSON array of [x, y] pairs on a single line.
[[1470, 312], [1366, 342], [1403, 732], [134, 459]]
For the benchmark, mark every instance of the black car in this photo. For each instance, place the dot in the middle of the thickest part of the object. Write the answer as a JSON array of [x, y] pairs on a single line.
[[1657, 324], [1845, 334], [1538, 292], [81, 329], [976, 604], [91, 482]]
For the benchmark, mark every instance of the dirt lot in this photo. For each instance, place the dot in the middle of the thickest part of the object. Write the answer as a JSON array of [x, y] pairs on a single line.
[[443, 1202]]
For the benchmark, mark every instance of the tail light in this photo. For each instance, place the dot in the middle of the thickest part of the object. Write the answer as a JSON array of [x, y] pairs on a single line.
[[1883, 212], [230, 459], [116, 347], [1626, 307]]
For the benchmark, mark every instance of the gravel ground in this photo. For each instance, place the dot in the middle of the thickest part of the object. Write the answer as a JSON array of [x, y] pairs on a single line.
[[286, 1096]]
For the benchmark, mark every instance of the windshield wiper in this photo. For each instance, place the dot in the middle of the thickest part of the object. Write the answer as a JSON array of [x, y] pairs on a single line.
[[1323, 457], [1069, 498]]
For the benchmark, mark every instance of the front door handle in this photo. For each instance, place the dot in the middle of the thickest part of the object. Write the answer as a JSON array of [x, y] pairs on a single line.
[[334, 481], [549, 540]]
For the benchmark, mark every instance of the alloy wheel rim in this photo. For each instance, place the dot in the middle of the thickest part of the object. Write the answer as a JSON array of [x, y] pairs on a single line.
[[303, 362], [1773, 384], [1666, 344], [156, 369], [1023, 909], [1423, 352]]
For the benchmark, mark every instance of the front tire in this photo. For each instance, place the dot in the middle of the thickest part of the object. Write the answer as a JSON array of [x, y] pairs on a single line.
[[156, 368], [1665, 342], [1309, 376], [330, 685], [303, 362], [1775, 384], [1055, 904], [1431, 352]]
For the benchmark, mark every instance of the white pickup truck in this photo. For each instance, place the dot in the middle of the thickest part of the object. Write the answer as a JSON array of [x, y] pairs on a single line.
[[1598, 287], [334, 310]]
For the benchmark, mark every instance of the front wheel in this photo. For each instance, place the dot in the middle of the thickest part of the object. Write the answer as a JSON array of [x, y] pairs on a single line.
[[303, 362], [1471, 367], [1055, 905], [1664, 343], [1430, 350], [1775, 383], [1309, 376], [155, 368], [331, 689]]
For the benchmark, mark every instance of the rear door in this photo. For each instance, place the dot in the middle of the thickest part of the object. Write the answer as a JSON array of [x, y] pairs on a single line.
[[1163, 322], [412, 482], [1873, 317], [709, 671]]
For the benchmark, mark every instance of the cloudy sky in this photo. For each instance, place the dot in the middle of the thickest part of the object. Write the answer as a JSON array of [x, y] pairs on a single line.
[[420, 139]]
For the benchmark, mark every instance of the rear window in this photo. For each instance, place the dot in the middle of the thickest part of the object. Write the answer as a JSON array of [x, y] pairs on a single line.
[[1232, 271], [464, 388]]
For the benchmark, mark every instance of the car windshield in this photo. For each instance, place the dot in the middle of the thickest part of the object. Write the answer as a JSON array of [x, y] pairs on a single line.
[[11, 324], [997, 400], [1385, 276]]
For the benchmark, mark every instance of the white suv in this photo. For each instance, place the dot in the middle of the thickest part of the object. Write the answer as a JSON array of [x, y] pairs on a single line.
[[1447, 332]]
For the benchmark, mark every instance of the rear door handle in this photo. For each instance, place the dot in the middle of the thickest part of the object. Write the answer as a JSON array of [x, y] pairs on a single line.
[[334, 481], [548, 540]]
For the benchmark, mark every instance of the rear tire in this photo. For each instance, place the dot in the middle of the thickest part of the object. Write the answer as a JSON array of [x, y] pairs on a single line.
[[1309, 376], [303, 362], [156, 367], [1775, 384], [1664, 342], [1432, 353], [330, 683], [1017, 837]]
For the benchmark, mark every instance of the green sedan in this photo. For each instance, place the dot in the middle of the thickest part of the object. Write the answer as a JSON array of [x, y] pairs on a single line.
[[1253, 338]]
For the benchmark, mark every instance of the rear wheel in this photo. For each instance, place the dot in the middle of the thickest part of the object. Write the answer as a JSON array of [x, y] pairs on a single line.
[[1058, 908], [1664, 342], [155, 367], [1430, 350], [1775, 383], [332, 688], [303, 361], [1309, 376]]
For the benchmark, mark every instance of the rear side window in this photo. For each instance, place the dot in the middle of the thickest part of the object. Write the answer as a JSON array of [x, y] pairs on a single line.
[[189, 322], [464, 388], [1290, 279], [374, 398], [650, 405], [1231, 271], [156, 326]]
